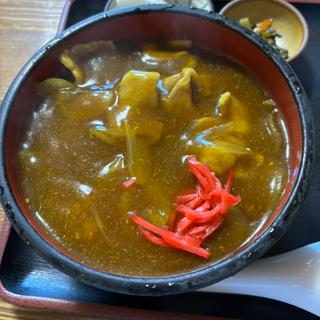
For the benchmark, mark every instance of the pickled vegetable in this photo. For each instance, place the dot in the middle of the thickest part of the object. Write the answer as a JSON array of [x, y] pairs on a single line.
[[265, 30]]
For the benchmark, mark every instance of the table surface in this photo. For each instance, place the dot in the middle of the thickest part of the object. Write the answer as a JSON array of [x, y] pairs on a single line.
[[25, 25]]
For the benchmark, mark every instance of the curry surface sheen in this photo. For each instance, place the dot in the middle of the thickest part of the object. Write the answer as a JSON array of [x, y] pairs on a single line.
[[138, 109]]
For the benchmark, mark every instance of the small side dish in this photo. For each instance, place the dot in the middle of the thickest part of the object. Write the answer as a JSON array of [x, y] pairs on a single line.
[[151, 158], [289, 30]]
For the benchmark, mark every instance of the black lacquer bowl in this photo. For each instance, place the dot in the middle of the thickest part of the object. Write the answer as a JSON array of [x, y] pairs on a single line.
[[221, 36]]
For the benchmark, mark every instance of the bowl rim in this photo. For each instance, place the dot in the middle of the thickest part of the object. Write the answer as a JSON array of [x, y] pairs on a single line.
[[200, 277], [289, 7]]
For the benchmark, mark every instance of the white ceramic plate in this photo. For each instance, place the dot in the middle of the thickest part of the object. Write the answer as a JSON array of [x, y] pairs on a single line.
[[200, 4]]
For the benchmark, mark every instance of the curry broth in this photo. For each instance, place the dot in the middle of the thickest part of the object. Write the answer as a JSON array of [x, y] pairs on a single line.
[[76, 153]]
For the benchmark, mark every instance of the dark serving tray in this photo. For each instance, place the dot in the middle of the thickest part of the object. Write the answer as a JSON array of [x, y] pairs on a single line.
[[28, 280]]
